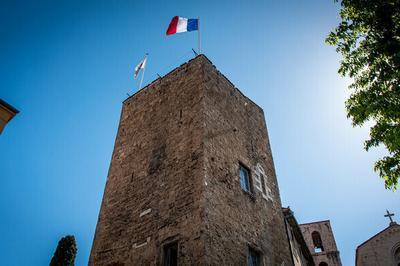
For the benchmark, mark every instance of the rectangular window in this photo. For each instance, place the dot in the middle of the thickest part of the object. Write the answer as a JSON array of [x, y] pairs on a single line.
[[170, 257], [244, 178], [254, 258]]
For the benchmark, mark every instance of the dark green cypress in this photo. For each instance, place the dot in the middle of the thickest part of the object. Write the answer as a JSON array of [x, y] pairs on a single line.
[[65, 253]]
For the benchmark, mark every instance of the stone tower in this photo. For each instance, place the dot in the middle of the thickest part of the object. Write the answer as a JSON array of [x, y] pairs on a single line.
[[321, 243], [192, 179]]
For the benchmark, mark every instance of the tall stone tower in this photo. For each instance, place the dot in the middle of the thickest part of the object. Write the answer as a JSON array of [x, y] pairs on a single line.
[[192, 179], [321, 242]]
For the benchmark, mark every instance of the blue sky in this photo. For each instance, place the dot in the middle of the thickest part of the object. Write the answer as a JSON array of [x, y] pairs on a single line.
[[68, 65]]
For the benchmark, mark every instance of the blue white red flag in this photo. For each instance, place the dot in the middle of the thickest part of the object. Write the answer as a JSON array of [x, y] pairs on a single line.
[[179, 24]]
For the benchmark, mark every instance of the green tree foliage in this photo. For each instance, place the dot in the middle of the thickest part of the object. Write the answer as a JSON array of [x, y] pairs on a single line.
[[65, 252], [368, 37]]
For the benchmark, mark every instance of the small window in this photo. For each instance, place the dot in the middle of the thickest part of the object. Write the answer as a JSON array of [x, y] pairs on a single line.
[[170, 257], [244, 178], [323, 264], [254, 258]]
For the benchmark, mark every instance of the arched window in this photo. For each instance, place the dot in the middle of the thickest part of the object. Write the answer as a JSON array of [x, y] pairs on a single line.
[[323, 264], [397, 256], [316, 237]]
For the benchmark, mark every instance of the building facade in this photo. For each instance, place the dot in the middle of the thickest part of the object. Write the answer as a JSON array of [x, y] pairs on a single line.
[[192, 179], [301, 255], [321, 243], [383, 249], [7, 112]]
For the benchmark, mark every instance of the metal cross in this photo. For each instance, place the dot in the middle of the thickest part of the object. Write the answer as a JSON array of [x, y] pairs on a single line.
[[389, 215]]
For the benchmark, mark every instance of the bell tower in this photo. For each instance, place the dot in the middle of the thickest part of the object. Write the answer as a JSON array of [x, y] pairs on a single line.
[[321, 243]]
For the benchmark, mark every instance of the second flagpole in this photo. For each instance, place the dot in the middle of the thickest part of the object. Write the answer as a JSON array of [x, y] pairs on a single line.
[[198, 34]]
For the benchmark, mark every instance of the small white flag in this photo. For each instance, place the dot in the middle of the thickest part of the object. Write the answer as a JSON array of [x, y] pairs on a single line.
[[141, 65]]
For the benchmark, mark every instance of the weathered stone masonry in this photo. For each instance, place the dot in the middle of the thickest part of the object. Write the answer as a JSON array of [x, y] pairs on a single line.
[[174, 176], [329, 253]]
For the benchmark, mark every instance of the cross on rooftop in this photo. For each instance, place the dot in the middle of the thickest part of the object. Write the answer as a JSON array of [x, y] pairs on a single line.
[[389, 215]]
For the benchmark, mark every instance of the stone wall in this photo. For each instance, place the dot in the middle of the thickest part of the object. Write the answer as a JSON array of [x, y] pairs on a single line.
[[174, 176], [330, 254], [154, 185], [380, 249], [236, 133]]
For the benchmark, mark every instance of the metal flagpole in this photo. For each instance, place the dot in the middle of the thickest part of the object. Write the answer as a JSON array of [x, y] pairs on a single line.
[[198, 34], [144, 68]]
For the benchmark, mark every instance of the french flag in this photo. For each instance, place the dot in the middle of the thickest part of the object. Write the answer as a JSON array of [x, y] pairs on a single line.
[[179, 24]]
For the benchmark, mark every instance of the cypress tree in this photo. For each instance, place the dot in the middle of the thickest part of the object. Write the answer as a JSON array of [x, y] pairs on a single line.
[[65, 253]]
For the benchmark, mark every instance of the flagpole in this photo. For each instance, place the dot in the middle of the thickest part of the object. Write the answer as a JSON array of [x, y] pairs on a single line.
[[198, 34], [144, 69]]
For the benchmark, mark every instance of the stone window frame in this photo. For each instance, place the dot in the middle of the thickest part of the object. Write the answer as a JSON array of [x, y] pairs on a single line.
[[260, 179], [252, 249]]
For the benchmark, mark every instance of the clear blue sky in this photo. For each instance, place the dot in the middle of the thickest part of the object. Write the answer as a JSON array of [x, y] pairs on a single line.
[[68, 65]]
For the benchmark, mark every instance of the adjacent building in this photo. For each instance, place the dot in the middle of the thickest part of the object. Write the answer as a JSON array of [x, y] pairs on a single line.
[[7, 112], [382, 249], [301, 255], [192, 180], [321, 243]]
